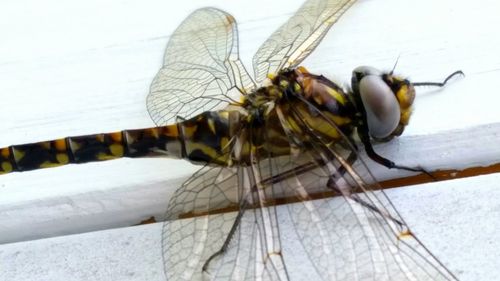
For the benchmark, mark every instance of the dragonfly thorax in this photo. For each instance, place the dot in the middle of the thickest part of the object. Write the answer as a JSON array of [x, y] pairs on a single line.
[[303, 105]]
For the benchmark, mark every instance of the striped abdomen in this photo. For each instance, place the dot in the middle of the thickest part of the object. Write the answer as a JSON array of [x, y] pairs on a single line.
[[200, 139], [83, 149]]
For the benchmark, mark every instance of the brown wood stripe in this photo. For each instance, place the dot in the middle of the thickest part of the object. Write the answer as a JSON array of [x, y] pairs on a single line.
[[440, 175]]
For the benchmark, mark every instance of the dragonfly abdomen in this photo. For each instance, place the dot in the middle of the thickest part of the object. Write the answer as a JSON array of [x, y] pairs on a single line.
[[206, 138], [201, 139], [159, 141]]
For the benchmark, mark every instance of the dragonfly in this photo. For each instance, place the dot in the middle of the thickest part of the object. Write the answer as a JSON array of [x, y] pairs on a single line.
[[276, 144]]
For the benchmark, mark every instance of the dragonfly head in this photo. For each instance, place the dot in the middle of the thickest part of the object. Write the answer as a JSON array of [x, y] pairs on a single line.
[[386, 99]]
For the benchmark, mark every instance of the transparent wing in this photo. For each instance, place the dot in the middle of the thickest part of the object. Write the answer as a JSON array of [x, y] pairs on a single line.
[[222, 210], [346, 230], [357, 235], [253, 247], [187, 243], [201, 69], [295, 40]]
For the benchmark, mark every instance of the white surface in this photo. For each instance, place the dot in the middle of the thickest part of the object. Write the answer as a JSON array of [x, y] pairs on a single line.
[[458, 220], [79, 68], [118, 254], [449, 218]]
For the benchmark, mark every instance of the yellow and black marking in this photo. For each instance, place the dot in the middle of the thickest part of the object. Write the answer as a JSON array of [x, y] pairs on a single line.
[[34, 156], [405, 94], [206, 137], [83, 149], [201, 139], [327, 101]]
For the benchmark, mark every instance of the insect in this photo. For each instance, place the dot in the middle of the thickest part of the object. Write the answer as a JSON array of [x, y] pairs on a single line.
[[284, 136]]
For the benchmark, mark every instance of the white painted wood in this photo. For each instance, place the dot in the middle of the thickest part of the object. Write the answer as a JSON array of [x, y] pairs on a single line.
[[80, 68], [458, 220]]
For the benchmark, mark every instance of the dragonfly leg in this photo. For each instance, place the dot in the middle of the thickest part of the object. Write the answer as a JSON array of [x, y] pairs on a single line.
[[332, 184], [273, 255], [342, 170], [353, 196], [366, 140], [388, 163], [229, 237], [290, 173]]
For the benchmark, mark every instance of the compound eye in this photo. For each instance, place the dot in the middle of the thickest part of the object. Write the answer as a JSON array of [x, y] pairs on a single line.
[[381, 105], [367, 70], [359, 73]]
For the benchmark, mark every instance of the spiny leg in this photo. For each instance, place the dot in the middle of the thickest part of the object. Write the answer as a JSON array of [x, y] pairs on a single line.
[[229, 237]]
